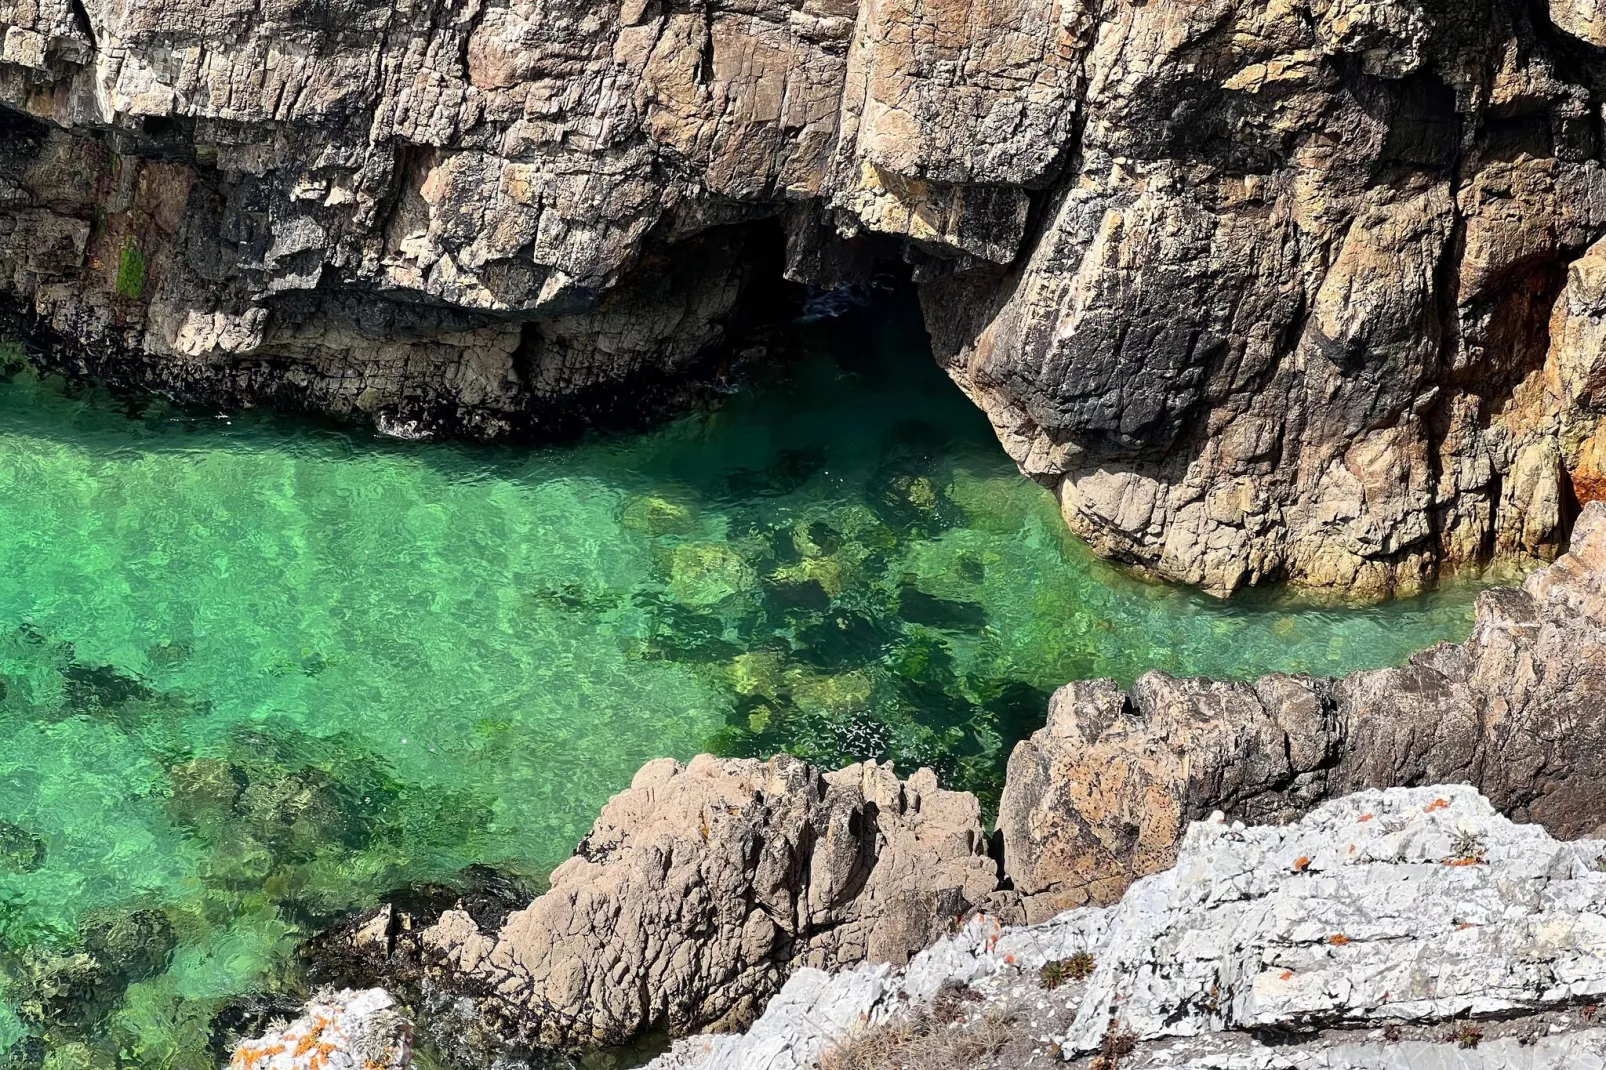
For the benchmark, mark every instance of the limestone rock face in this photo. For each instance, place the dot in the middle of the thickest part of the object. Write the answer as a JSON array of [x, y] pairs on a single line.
[[343, 1030], [817, 1011], [487, 216], [1103, 794], [703, 886]]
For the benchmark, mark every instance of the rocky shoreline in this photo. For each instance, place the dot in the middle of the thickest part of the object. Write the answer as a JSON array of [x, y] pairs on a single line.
[[1306, 291], [704, 887], [1407, 927]]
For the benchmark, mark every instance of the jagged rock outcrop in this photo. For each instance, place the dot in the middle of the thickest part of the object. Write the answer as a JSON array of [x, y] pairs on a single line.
[[698, 890], [1103, 794], [1303, 289], [1293, 309], [1482, 943], [343, 1030]]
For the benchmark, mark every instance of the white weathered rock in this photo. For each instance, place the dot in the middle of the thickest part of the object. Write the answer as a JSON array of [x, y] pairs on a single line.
[[1411, 904], [816, 1009], [346, 1030], [1584, 1049]]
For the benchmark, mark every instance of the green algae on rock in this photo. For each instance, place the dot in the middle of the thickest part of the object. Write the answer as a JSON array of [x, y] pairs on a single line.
[[258, 672]]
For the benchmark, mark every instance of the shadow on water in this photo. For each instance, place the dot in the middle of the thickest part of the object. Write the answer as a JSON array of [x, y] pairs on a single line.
[[255, 672]]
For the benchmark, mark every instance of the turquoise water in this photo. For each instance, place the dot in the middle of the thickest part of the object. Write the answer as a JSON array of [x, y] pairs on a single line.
[[256, 672]]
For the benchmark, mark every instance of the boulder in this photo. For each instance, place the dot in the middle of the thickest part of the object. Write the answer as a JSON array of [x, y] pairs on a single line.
[[698, 891]]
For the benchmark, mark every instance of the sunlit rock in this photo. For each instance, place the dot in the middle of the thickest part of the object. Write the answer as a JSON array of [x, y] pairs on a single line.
[[346, 1030]]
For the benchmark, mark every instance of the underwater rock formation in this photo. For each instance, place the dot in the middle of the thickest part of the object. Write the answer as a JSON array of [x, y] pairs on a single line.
[[1479, 942], [699, 889], [1308, 290], [1103, 794]]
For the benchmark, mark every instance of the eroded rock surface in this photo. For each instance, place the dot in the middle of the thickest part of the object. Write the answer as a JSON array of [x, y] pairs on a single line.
[[491, 216], [1293, 309], [1103, 794], [1306, 289], [1411, 927], [1407, 904], [700, 889]]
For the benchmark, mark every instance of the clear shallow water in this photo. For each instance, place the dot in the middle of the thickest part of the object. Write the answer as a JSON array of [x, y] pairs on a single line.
[[256, 672]]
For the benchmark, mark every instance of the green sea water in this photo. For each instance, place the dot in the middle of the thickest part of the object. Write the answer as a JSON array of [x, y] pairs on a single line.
[[256, 672]]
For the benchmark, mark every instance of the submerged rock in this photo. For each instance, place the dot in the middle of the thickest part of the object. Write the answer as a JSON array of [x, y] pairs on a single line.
[[1103, 794], [1417, 908], [344, 1030], [698, 891]]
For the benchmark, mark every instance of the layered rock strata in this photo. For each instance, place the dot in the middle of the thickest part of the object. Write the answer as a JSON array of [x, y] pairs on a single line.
[[1421, 909], [1309, 289], [697, 892], [1103, 793]]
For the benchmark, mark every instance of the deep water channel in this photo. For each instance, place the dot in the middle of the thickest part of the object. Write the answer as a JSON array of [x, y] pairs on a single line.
[[256, 672]]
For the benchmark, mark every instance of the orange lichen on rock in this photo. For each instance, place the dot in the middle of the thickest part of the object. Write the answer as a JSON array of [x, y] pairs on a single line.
[[1338, 939], [346, 1030], [1301, 863], [1436, 804], [1588, 471]]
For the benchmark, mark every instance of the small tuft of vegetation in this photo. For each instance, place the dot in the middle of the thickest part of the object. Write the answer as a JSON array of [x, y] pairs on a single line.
[[1117, 1044], [1466, 1035], [1393, 1034], [922, 1042], [131, 273], [1078, 967], [1468, 847]]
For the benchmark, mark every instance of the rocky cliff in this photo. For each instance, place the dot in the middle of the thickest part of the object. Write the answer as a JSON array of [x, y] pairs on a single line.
[[1412, 927], [1302, 288], [697, 892]]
